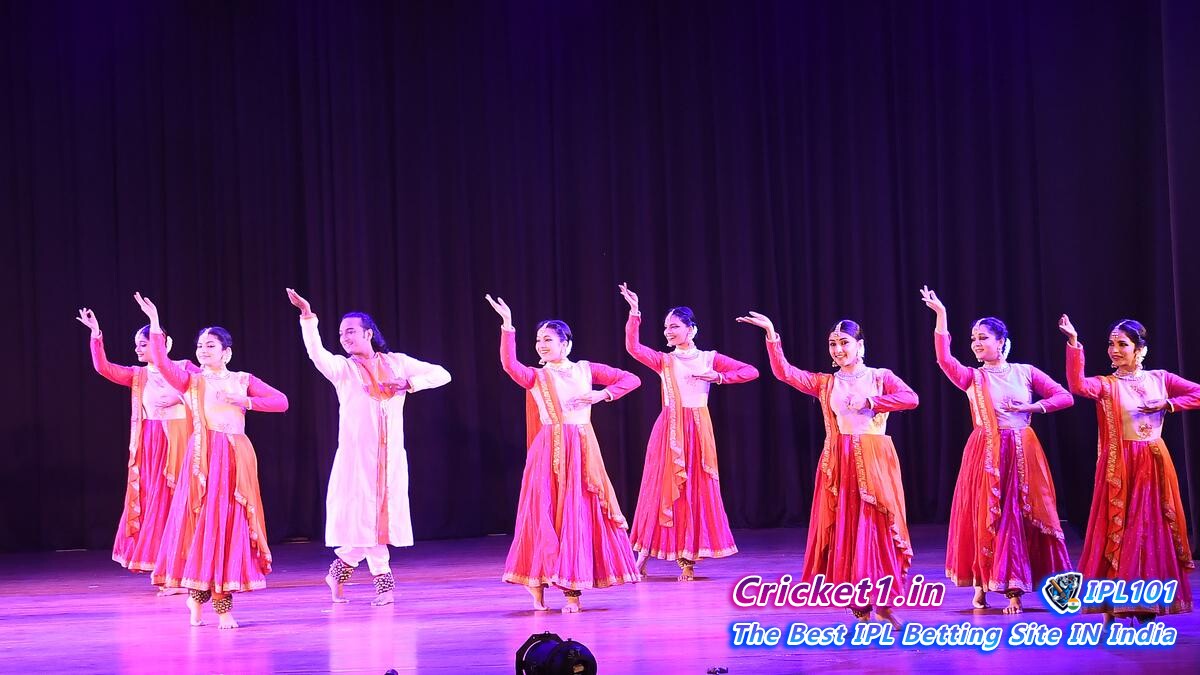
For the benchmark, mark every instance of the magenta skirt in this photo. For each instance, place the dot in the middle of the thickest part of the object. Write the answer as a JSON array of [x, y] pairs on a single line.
[[564, 538], [138, 551], [699, 527], [206, 545]]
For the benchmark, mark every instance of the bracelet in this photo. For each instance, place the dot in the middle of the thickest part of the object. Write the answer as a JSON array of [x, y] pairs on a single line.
[[249, 404], [1042, 406]]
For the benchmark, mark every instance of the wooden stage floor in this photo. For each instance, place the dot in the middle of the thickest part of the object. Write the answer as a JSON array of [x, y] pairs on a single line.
[[78, 612]]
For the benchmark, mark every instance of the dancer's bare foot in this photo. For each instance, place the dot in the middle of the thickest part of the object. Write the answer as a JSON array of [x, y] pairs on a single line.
[[539, 597], [195, 608], [1014, 605], [572, 606], [980, 599], [1109, 618], [165, 591], [335, 589], [862, 615], [382, 599], [885, 613], [642, 559], [227, 620]]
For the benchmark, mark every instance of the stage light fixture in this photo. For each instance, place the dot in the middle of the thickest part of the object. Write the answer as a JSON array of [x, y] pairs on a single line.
[[548, 654]]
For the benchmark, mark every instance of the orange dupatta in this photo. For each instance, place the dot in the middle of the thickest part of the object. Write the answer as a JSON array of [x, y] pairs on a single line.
[[371, 379]]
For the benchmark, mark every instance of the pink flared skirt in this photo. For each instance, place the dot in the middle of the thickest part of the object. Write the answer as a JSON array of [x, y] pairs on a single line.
[[699, 527], [1022, 554], [1146, 548], [859, 540], [562, 536], [137, 549], [207, 545]]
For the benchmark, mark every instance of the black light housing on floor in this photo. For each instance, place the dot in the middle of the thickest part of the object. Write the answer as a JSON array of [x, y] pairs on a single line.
[[548, 654]]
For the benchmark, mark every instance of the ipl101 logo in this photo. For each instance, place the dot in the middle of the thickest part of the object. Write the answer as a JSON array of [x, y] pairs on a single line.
[[1062, 592]]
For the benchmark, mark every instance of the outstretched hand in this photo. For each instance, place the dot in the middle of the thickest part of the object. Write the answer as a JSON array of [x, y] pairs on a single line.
[[761, 320], [1064, 325], [299, 303], [931, 300], [88, 318], [502, 309], [630, 297], [150, 310]]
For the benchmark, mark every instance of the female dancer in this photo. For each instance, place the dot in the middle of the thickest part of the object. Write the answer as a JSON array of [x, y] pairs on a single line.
[[1136, 529], [158, 433], [366, 508], [1004, 530], [216, 537], [569, 530], [679, 514], [858, 528]]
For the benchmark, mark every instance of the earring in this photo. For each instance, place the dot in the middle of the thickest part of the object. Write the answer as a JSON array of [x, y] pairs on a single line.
[[227, 358]]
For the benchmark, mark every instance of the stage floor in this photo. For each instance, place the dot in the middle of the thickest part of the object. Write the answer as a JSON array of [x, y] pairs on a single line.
[[79, 612]]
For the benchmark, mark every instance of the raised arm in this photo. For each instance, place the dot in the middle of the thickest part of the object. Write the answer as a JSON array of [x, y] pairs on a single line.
[[175, 375], [897, 395], [800, 379], [122, 375], [262, 397], [959, 374], [333, 367], [1053, 396], [733, 371], [519, 372], [1089, 387], [651, 358]]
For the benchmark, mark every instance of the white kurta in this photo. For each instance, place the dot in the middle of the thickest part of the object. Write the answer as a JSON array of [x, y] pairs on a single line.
[[351, 505]]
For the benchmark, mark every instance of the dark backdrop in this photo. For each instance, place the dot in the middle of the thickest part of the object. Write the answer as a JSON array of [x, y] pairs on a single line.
[[811, 160]]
